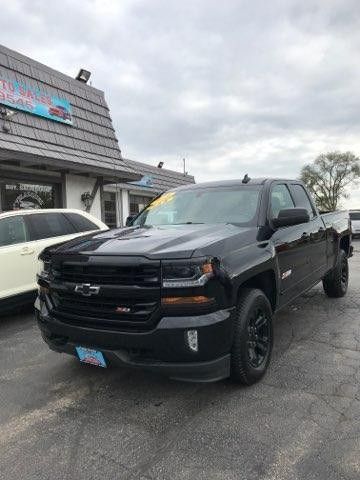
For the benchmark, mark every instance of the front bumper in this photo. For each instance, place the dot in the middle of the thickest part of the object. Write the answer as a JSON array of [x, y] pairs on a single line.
[[162, 350]]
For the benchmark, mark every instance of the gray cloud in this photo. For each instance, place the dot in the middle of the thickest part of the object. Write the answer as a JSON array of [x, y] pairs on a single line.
[[238, 86]]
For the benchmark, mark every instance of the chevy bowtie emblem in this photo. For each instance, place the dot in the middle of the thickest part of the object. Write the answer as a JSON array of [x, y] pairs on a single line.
[[87, 290]]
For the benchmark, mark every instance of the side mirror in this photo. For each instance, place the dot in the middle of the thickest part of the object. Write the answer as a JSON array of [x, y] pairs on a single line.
[[129, 220], [291, 216]]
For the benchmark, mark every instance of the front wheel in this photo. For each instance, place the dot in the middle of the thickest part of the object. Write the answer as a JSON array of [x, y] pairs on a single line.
[[336, 282], [253, 337]]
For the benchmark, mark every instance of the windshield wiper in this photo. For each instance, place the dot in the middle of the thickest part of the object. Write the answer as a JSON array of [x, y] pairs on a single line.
[[236, 224], [189, 223]]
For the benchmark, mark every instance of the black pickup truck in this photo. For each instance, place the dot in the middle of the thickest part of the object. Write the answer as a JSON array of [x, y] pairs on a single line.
[[191, 287]]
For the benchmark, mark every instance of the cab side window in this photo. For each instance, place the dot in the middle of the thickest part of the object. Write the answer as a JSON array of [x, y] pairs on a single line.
[[13, 231], [302, 199], [280, 199], [81, 223], [48, 225]]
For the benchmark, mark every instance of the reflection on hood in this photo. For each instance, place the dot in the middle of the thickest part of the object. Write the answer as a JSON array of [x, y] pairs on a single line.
[[173, 241]]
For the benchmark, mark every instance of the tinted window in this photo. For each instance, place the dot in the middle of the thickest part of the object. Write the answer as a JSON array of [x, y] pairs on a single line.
[[12, 231], [302, 199], [47, 225], [355, 215], [280, 200], [80, 223]]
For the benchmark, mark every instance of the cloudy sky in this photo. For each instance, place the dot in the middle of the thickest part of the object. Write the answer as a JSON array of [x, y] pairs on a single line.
[[234, 86]]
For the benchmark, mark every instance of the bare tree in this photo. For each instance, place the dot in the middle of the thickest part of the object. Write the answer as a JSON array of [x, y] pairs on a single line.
[[329, 175]]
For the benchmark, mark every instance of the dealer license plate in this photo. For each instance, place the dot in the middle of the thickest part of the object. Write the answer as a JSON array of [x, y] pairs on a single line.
[[90, 356]]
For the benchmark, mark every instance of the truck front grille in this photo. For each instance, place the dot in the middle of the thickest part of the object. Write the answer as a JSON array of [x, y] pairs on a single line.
[[127, 296], [139, 275], [105, 313]]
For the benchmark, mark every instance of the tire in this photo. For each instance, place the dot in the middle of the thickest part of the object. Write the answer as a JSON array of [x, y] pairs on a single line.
[[336, 282], [253, 337]]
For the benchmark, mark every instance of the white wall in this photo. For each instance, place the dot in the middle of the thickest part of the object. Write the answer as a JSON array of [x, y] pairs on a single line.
[[75, 185], [125, 205]]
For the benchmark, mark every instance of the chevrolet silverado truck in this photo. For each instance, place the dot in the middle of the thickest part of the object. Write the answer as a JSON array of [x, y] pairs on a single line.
[[191, 287]]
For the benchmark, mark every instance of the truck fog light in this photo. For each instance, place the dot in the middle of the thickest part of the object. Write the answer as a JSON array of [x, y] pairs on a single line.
[[192, 340]]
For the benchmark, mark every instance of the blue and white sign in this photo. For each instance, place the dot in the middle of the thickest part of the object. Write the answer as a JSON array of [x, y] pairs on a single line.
[[20, 96], [145, 181]]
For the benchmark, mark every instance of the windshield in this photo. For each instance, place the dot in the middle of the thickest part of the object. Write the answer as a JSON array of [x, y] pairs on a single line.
[[203, 205], [355, 215]]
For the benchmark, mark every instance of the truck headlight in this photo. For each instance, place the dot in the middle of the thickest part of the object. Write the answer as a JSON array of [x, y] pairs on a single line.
[[45, 269], [186, 274], [44, 265]]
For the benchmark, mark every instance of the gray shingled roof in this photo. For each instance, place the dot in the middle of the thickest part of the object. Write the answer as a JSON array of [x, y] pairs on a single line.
[[89, 144], [163, 179]]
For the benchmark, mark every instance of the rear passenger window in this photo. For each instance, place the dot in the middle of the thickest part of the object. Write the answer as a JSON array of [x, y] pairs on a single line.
[[80, 223], [47, 225], [12, 231], [280, 200], [302, 199]]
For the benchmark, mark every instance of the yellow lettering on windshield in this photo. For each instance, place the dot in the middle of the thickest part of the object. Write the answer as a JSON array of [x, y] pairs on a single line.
[[166, 198]]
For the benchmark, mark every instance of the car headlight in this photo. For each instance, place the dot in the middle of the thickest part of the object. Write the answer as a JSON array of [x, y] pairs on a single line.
[[186, 274]]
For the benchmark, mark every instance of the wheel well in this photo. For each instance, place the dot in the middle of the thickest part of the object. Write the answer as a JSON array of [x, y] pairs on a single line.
[[265, 281], [345, 244]]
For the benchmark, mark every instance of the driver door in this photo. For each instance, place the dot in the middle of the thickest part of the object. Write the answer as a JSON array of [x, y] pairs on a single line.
[[290, 245]]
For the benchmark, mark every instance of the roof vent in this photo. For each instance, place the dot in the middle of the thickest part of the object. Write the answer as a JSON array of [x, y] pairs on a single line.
[[246, 179]]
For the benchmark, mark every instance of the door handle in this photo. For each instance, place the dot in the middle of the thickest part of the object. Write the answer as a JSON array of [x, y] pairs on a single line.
[[27, 251]]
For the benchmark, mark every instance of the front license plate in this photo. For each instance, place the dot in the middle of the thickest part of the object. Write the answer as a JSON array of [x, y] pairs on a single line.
[[93, 357]]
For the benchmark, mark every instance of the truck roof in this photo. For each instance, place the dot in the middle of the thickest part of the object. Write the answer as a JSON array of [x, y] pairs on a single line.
[[230, 183]]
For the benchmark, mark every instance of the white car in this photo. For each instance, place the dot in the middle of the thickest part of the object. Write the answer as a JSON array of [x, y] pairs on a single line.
[[23, 236], [355, 222]]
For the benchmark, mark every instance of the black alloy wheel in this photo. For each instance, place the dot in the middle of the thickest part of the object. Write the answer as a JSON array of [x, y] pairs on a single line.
[[259, 335], [336, 282], [344, 273], [253, 337]]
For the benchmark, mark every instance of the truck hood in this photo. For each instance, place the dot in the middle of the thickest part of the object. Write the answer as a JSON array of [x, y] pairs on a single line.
[[175, 241]]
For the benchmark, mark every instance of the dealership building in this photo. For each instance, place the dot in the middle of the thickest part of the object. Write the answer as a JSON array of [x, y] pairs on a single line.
[[58, 147]]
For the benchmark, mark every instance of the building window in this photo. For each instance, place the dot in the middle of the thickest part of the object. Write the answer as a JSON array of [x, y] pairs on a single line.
[[138, 202], [22, 195], [110, 209]]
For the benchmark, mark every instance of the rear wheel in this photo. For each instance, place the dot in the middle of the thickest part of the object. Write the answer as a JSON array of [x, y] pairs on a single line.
[[253, 337], [336, 282]]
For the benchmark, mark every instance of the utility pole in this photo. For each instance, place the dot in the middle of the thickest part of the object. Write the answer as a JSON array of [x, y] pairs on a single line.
[[184, 165]]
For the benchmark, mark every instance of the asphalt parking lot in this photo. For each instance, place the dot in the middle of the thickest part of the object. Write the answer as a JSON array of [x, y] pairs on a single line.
[[62, 420]]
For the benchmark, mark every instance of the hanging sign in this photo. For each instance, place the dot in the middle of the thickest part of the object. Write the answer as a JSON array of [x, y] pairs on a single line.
[[20, 96]]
